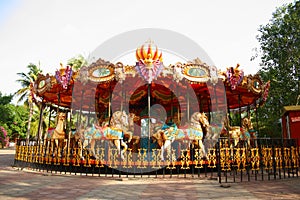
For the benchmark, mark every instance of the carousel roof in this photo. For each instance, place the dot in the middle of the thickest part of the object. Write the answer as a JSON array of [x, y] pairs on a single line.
[[95, 86]]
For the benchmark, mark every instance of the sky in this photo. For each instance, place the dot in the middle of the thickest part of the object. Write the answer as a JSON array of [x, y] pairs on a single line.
[[50, 32]]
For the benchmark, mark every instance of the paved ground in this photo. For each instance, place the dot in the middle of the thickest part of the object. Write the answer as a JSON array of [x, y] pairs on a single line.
[[26, 184]]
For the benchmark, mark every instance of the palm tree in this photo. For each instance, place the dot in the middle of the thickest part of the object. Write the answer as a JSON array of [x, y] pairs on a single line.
[[26, 81], [37, 119]]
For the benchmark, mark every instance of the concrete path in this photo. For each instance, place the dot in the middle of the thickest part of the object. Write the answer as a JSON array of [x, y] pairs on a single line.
[[28, 184]]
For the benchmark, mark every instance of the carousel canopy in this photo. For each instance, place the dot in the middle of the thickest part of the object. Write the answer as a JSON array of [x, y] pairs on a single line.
[[186, 85]]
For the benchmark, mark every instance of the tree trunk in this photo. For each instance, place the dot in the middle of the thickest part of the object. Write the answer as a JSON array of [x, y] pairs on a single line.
[[29, 121]]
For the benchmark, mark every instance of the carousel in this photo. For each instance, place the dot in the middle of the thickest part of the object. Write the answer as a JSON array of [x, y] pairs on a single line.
[[146, 117]]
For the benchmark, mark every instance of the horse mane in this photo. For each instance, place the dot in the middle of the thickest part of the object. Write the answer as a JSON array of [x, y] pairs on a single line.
[[205, 129], [115, 118]]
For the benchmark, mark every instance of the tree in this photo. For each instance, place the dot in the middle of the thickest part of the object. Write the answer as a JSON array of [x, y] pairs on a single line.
[[5, 99], [13, 118], [44, 120], [279, 45], [77, 62], [24, 93], [16, 120]]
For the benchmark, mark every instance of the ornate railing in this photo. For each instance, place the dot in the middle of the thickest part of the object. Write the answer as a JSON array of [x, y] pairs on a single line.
[[261, 159]]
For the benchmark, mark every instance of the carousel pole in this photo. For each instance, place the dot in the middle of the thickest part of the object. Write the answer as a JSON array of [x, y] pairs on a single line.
[[40, 122], [178, 116], [96, 107], [201, 103], [178, 107], [240, 111], [49, 117], [122, 107], [80, 114], [109, 102], [70, 132], [149, 115], [256, 118], [58, 95], [188, 103], [58, 99], [172, 107], [217, 103], [57, 111], [209, 108], [248, 111], [228, 119], [228, 114], [122, 94], [89, 112], [215, 93]]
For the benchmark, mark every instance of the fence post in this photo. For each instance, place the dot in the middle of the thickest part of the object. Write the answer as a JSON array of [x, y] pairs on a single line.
[[274, 159], [218, 160]]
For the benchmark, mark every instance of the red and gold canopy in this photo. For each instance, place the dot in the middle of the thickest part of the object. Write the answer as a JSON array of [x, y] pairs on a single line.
[[102, 84]]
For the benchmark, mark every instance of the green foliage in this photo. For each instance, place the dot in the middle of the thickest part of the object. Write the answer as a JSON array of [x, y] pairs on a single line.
[[14, 120], [36, 120], [280, 42], [25, 81], [5, 99], [17, 119], [235, 119], [20, 121], [77, 62]]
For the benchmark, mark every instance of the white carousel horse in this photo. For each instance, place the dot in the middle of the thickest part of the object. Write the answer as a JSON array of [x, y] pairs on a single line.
[[58, 133], [116, 131], [197, 130], [194, 133]]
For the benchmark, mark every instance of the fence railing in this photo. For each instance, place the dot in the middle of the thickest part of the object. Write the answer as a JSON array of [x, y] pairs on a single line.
[[260, 159]]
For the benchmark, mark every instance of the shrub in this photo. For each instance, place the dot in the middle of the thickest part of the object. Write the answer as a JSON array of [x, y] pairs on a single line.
[[3, 135]]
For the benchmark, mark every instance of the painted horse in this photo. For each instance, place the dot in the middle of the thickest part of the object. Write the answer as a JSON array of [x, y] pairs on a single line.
[[193, 132], [241, 136], [165, 136], [197, 130], [57, 133], [76, 138], [115, 131], [216, 128], [133, 140], [233, 133], [247, 130]]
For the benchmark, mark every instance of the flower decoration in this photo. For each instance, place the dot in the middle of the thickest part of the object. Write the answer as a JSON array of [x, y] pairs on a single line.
[[64, 76]]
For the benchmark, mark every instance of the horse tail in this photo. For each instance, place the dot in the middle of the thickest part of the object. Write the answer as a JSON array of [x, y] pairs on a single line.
[[204, 131], [109, 120]]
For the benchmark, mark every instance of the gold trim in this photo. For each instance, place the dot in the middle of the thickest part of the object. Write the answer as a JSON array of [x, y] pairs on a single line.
[[43, 83], [108, 77], [252, 80], [201, 78]]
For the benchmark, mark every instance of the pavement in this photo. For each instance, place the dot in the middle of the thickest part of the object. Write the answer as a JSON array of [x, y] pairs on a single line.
[[23, 184]]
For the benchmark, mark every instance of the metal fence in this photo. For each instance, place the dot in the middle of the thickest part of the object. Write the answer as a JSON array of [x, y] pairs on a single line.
[[225, 160]]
